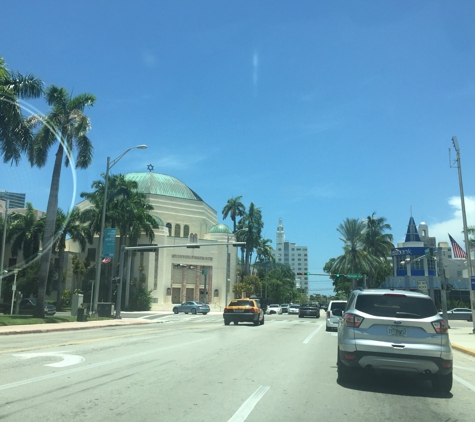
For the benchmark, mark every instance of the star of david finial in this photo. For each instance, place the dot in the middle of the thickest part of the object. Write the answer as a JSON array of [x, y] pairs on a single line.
[[150, 168]]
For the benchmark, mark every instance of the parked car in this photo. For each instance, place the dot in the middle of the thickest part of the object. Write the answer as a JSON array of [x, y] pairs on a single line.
[[192, 307], [274, 309], [398, 331], [285, 308], [294, 309], [243, 310], [333, 320], [459, 313], [310, 309], [27, 307]]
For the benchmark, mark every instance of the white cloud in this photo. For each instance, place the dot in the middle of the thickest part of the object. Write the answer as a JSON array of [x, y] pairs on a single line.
[[178, 162], [454, 226]]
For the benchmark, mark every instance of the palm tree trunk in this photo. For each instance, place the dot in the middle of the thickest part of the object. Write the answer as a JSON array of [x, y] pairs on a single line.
[[59, 291], [48, 235]]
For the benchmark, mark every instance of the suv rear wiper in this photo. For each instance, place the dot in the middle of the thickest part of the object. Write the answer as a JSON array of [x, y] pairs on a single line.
[[407, 315]]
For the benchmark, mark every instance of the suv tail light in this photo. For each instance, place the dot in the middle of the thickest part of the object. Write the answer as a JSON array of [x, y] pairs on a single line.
[[328, 314], [352, 320], [441, 326]]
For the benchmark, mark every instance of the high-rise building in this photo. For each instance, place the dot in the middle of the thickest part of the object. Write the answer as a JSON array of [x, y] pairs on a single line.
[[17, 200], [292, 254]]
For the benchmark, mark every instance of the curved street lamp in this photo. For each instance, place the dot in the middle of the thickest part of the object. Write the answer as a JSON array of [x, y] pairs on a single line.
[[110, 164]]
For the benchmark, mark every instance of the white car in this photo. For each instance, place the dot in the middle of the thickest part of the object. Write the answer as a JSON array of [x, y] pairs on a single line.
[[274, 309], [294, 309], [332, 320]]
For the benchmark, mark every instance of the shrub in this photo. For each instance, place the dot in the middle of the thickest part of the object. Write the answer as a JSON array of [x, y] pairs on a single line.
[[140, 300]]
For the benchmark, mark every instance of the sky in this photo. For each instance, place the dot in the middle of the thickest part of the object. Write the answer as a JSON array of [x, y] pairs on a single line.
[[315, 111]]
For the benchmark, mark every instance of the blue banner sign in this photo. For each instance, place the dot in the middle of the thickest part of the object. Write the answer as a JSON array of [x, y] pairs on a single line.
[[109, 243], [472, 279], [410, 250]]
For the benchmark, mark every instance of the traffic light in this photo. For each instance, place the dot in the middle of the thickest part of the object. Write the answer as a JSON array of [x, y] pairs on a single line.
[[337, 275], [303, 273]]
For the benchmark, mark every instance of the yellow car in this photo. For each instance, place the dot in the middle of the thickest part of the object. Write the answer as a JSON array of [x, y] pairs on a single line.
[[243, 310]]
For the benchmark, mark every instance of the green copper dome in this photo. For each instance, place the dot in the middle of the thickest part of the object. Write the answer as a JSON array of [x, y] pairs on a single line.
[[158, 220], [162, 184], [220, 228]]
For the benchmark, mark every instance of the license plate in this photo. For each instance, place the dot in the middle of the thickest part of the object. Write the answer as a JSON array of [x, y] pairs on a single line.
[[397, 331], [239, 310]]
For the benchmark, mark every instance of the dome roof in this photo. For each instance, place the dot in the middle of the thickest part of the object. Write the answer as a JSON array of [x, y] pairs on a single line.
[[162, 184], [158, 220], [220, 228]]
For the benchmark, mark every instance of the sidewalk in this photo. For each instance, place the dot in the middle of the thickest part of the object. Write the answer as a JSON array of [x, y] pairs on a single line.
[[462, 339]]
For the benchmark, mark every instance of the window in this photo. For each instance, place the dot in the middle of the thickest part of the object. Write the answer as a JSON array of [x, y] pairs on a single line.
[[186, 230], [91, 254], [169, 227], [177, 230]]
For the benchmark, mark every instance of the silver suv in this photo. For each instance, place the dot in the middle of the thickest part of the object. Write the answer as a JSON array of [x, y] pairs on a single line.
[[391, 330]]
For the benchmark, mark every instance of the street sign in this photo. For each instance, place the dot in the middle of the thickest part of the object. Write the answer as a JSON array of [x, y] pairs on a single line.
[[108, 250], [422, 286], [354, 275]]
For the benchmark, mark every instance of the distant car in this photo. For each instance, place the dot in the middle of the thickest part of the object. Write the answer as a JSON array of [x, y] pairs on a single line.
[[191, 307], [309, 309], [285, 308], [274, 309], [294, 309], [333, 320], [243, 310], [459, 313]]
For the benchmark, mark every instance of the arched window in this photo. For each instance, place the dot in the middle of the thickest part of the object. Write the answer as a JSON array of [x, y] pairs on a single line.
[[177, 230], [169, 227], [186, 230]]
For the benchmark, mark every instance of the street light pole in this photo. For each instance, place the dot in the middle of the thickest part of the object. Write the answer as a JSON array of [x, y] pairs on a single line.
[[465, 231], [97, 281], [15, 271]]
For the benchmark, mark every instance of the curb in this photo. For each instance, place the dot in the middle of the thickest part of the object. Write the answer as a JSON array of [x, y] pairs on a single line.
[[463, 349], [71, 328]]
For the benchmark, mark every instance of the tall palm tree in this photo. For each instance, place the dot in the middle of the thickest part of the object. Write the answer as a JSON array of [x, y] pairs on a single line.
[[69, 226], [24, 233], [67, 124], [15, 134], [354, 259], [379, 244], [264, 251], [234, 208], [252, 222]]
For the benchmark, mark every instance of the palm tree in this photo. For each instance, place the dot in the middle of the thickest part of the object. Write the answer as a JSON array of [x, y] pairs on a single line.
[[354, 259], [379, 244], [69, 226], [264, 251], [252, 222], [67, 124], [15, 134], [24, 233], [234, 208]]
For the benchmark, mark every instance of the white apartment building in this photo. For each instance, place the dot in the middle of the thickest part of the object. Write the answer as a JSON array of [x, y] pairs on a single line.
[[292, 254]]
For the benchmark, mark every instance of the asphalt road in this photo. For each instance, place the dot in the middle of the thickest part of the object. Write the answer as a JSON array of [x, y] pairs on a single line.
[[193, 368]]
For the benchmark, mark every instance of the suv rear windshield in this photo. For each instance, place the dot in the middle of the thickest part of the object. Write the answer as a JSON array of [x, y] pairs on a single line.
[[396, 306], [338, 305], [241, 303]]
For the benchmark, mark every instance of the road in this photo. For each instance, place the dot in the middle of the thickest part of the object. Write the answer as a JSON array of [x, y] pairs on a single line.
[[193, 368]]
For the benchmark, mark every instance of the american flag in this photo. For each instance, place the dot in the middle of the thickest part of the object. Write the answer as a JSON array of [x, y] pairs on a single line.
[[457, 250]]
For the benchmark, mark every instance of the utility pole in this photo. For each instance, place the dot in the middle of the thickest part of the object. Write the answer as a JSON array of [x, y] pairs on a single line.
[[465, 232]]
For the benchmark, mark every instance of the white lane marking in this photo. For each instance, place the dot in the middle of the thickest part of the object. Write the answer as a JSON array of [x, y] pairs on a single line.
[[311, 335], [464, 368], [61, 374], [67, 359], [462, 381], [246, 408]]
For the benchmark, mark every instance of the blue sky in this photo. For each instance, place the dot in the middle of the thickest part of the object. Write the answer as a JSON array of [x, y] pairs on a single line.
[[316, 111]]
